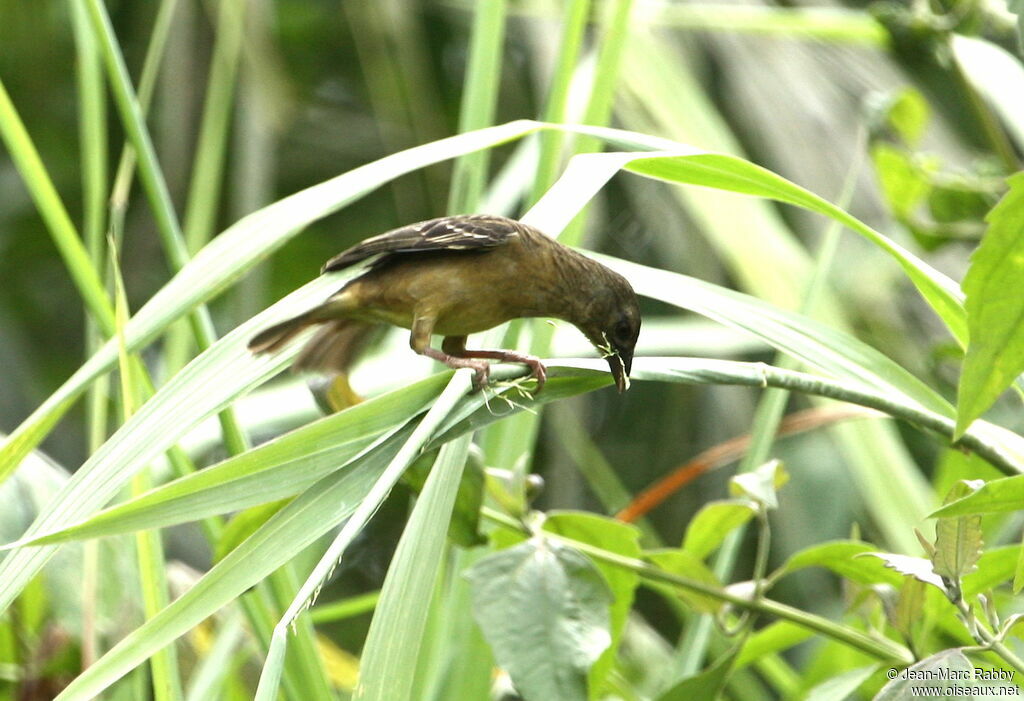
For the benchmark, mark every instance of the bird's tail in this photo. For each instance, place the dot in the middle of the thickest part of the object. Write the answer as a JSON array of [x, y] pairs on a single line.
[[271, 339], [332, 350], [335, 347]]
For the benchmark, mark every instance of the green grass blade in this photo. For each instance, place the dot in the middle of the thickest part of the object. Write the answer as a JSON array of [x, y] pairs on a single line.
[[577, 12], [208, 168], [388, 663], [147, 84], [58, 222], [166, 678], [812, 342], [272, 471], [205, 185], [156, 188], [224, 372], [734, 174], [135, 125], [207, 681], [479, 102], [92, 132], [411, 447], [296, 526], [829, 24]]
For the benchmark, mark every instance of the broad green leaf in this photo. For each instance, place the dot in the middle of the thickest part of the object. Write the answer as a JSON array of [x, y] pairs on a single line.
[[906, 615], [995, 567], [908, 115], [917, 567], [712, 523], [706, 685], [841, 556], [958, 539], [684, 564], [995, 308], [612, 536], [948, 664], [772, 638], [996, 73], [996, 496], [901, 184], [842, 686], [544, 610], [761, 485]]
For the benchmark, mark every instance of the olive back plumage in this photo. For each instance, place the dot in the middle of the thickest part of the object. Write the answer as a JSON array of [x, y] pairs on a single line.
[[460, 233]]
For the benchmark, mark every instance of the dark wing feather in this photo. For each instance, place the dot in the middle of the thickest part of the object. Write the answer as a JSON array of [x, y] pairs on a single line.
[[461, 233]]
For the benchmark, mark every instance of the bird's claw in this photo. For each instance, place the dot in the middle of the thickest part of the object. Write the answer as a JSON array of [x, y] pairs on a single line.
[[538, 371], [481, 375]]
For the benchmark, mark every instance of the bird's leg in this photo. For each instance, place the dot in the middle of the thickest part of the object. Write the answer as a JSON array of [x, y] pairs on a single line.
[[420, 342], [455, 346]]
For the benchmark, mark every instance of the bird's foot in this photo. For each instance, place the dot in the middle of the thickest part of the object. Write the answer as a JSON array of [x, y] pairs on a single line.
[[537, 370], [481, 373]]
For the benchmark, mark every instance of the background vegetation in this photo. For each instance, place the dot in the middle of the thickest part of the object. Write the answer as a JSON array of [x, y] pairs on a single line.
[[161, 156]]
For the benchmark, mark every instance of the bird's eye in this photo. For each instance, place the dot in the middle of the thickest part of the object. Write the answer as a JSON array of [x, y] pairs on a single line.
[[623, 331]]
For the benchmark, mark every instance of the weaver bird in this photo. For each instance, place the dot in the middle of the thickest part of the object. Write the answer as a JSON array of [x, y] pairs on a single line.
[[459, 275]]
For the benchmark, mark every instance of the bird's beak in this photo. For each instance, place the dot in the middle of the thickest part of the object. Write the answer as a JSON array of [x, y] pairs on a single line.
[[620, 363]]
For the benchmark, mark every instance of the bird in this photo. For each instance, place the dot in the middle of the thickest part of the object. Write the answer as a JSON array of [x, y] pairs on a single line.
[[457, 275]]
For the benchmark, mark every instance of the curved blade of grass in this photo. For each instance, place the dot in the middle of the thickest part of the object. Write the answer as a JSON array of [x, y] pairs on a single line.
[[58, 222], [149, 553], [296, 526], [155, 186], [256, 235], [724, 172], [130, 448], [274, 470], [287, 465], [810, 341], [223, 372]]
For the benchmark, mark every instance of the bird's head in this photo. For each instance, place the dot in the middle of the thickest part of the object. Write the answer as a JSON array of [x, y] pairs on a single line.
[[612, 324]]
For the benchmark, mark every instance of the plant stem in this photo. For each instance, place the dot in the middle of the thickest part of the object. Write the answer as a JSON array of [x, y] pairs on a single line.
[[882, 649]]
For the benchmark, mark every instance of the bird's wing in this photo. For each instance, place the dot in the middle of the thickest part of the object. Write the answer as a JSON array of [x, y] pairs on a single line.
[[461, 233]]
